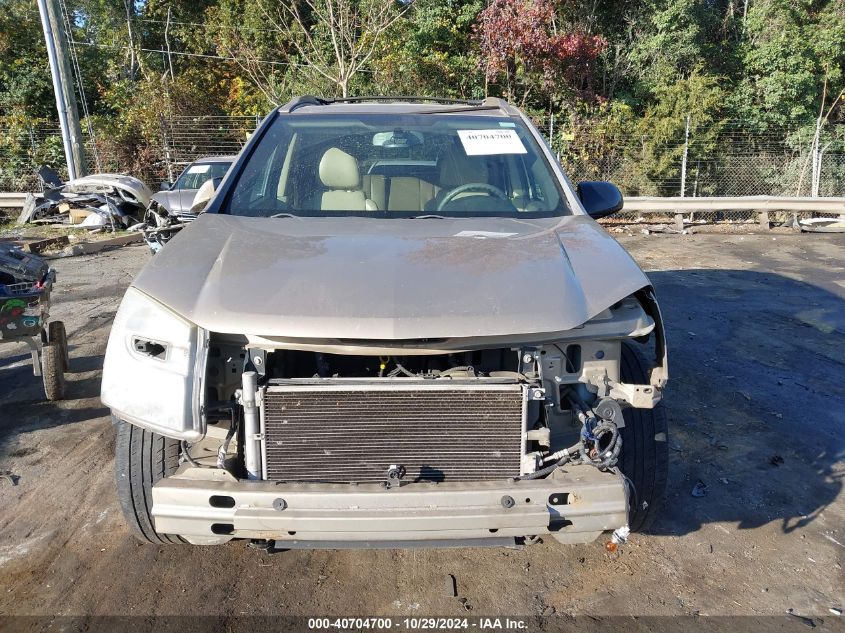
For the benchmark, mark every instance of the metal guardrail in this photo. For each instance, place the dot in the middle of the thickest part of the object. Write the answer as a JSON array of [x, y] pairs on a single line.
[[835, 206], [12, 200], [654, 204]]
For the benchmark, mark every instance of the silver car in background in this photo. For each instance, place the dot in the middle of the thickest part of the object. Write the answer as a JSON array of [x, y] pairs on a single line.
[[176, 198], [171, 208]]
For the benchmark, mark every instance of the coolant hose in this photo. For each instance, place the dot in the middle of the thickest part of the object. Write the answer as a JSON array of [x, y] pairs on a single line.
[[565, 457]]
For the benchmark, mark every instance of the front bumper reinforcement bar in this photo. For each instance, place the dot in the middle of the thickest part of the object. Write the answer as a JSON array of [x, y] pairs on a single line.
[[205, 505]]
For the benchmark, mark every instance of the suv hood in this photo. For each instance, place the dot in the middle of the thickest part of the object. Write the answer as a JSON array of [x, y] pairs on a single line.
[[367, 278]]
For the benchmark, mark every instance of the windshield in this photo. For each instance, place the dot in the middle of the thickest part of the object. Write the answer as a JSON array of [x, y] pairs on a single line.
[[396, 165], [197, 173]]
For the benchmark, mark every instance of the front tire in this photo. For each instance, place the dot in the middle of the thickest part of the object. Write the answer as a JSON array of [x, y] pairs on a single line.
[[141, 459], [645, 446]]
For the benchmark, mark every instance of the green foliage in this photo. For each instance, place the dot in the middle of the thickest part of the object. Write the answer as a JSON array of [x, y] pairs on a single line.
[[663, 129], [780, 66], [654, 63], [680, 36], [597, 143], [432, 52], [24, 86]]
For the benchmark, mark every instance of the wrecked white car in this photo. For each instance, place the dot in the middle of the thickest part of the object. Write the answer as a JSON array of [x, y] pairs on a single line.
[[394, 325], [113, 200]]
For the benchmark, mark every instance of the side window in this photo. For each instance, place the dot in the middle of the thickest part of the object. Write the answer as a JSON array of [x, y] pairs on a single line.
[[218, 170], [282, 188], [303, 182], [256, 187], [263, 188], [543, 188], [519, 188]]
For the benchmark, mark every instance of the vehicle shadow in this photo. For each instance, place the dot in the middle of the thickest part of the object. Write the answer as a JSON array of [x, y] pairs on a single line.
[[755, 398], [22, 401]]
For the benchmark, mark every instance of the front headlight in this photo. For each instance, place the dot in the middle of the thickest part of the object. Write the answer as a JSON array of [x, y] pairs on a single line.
[[154, 368]]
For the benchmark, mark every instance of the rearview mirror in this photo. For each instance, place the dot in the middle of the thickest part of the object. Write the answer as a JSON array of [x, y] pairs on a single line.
[[164, 186], [204, 194], [600, 198], [397, 139]]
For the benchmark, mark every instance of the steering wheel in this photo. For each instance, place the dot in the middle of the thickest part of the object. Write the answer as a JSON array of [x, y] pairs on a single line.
[[471, 186]]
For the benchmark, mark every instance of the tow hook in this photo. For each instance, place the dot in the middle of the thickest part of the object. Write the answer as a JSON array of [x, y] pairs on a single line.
[[619, 537]]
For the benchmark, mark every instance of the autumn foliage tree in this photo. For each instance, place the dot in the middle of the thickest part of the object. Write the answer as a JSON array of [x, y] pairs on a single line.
[[523, 49]]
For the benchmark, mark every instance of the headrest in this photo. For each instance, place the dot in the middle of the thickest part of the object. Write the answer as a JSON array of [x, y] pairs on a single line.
[[456, 168], [339, 170]]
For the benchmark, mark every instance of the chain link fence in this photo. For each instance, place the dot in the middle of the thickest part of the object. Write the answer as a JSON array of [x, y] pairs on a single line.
[[734, 163]]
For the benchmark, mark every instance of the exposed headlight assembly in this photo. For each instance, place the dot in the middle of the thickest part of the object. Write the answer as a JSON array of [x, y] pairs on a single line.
[[154, 368]]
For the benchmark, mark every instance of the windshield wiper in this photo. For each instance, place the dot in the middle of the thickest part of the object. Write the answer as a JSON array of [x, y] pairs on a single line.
[[284, 214], [429, 216]]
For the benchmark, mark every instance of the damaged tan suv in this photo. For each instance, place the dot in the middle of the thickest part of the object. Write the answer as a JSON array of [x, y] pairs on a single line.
[[396, 324]]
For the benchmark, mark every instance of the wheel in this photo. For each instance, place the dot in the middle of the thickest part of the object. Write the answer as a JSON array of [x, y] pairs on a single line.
[[52, 373], [56, 334], [141, 459], [645, 446]]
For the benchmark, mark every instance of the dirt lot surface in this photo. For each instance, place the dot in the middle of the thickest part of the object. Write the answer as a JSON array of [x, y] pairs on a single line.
[[756, 406]]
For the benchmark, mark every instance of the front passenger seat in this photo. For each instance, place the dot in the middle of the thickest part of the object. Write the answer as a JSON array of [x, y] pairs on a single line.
[[339, 174]]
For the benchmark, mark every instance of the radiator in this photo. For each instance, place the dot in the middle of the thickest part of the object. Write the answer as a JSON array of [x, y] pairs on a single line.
[[354, 432]]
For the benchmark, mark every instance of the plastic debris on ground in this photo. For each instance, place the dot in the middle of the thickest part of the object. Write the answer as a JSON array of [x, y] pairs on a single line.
[[95, 201], [822, 225]]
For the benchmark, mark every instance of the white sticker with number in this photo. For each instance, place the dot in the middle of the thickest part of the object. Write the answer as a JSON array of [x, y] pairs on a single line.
[[198, 169], [491, 142]]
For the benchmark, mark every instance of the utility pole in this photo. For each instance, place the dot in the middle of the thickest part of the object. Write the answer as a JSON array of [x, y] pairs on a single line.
[[54, 38], [679, 218], [684, 160]]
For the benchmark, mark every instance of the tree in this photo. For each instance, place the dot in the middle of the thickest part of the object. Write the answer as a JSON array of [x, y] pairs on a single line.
[[335, 39], [25, 86], [432, 52], [698, 100], [520, 42], [674, 39], [789, 52]]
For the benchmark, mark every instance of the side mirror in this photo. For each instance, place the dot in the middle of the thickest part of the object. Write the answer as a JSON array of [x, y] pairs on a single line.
[[164, 186], [600, 198], [204, 194]]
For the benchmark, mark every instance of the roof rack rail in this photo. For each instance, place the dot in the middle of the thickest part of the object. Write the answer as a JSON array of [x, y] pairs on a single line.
[[298, 102], [407, 98], [495, 102]]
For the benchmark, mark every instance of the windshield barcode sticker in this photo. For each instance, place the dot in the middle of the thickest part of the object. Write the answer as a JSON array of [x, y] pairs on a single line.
[[488, 142]]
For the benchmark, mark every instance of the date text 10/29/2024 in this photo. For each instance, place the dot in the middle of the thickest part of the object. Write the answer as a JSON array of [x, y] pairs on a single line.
[[417, 624]]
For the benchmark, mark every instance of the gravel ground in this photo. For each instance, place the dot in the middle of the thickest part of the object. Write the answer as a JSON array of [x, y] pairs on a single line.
[[755, 403]]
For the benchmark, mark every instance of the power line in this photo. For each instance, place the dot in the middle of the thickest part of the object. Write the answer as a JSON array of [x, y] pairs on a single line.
[[74, 58], [205, 56], [211, 26], [157, 50]]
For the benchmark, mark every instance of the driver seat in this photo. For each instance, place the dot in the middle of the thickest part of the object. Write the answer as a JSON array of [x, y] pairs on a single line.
[[455, 168], [340, 176]]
